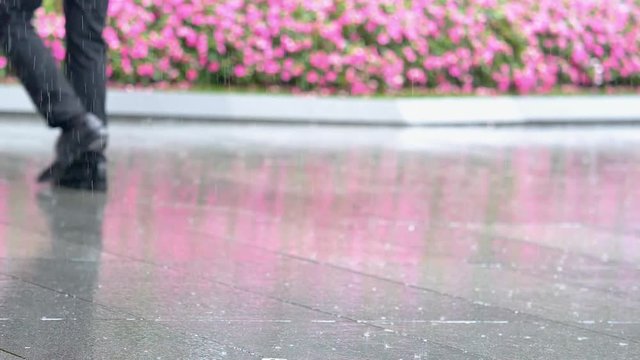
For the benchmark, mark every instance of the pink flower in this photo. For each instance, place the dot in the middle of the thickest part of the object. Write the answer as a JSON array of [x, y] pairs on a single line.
[[126, 66], [58, 51], [525, 81], [362, 48], [240, 71], [140, 51], [213, 67], [456, 34], [271, 67], [579, 55], [111, 38], [416, 76], [331, 76], [164, 64], [409, 54], [145, 70], [192, 74], [312, 77], [359, 88], [383, 39], [286, 76], [455, 71], [319, 61]]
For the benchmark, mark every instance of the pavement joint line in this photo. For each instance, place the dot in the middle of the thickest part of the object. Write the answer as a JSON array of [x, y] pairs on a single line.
[[622, 264], [180, 270], [525, 314], [531, 316], [314, 309], [319, 286], [242, 289], [222, 283], [124, 311], [543, 276], [2, 350], [368, 275]]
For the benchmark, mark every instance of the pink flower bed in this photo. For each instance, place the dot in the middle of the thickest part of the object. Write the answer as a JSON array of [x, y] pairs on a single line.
[[370, 46]]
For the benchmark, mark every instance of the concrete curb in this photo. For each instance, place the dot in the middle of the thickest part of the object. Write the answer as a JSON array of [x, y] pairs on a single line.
[[502, 110]]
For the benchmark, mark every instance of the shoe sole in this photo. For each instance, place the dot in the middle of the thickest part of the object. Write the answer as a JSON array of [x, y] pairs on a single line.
[[94, 186], [57, 169]]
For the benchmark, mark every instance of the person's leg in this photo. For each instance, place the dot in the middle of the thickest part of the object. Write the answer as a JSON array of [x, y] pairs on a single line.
[[34, 65], [87, 52], [82, 132], [86, 70]]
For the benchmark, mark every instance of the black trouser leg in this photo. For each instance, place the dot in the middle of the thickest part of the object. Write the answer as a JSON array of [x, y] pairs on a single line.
[[86, 52], [34, 65]]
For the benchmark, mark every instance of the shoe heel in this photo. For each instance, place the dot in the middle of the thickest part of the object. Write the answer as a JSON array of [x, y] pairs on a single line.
[[98, 145]]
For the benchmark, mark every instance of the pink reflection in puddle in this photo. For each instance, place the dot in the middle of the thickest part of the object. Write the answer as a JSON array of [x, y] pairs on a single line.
[[376, 210]]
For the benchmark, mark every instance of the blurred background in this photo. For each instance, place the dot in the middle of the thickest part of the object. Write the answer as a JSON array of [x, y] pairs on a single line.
[[368, 47], [232, 237]]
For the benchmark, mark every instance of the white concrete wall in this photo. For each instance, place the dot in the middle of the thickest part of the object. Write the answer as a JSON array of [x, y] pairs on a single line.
[[401, 111]]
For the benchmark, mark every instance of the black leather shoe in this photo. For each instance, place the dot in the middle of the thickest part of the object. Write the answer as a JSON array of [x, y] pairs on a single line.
[[87, 135], [89, 172]]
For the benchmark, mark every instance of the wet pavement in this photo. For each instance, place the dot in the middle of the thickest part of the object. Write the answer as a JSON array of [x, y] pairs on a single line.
[[223, 242]]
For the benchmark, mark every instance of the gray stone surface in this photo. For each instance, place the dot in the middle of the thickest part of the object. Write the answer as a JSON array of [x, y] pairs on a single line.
[[287, 109], [250, 242]]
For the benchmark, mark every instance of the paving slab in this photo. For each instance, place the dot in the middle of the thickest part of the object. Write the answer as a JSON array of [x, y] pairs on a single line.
[[325, 243]]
